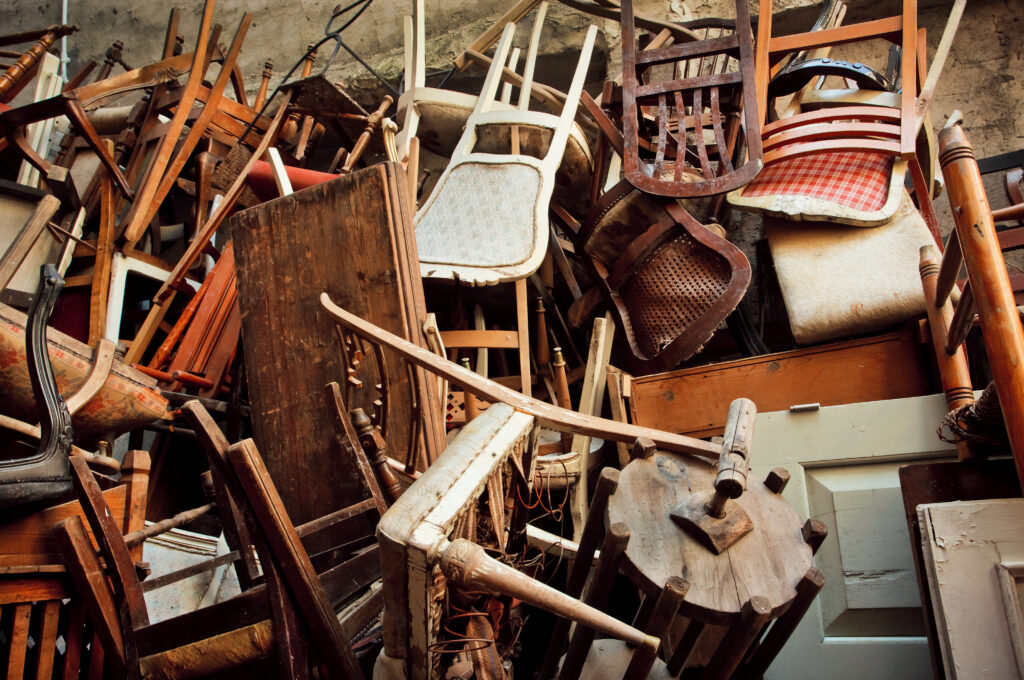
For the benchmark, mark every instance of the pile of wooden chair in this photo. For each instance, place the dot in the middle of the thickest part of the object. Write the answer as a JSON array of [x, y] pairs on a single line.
[[392, 299]]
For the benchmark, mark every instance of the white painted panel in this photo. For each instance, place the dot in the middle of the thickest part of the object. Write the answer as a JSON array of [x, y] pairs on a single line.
[[844, 463]]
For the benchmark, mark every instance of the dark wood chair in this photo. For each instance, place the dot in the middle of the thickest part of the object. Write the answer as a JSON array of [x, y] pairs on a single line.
[[692, 90], [39, 604], [669, 280]]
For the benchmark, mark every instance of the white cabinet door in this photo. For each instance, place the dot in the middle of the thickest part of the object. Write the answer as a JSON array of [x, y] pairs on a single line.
[[974, 558], [843, 462]]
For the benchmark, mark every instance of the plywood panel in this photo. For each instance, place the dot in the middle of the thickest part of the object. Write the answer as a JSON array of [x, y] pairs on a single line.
[[695, 401], [351, 238]]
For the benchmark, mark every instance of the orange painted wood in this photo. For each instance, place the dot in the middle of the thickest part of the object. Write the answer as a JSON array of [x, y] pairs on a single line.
[[953, 369], [890, 27], [993, 294], [19, 641], [695, 401]]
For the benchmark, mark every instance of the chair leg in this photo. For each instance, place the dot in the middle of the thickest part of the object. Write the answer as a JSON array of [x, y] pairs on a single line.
[[754, 615], [612, 551], [672, 595], [606, 485], [808, 588], [523, 329]]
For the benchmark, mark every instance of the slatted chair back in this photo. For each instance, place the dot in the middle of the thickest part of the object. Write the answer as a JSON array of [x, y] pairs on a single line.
[[669, 280], [42, 617], [693, 91]]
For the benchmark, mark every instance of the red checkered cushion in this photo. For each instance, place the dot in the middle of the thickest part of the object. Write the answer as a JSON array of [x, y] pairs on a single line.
[[858, 180]]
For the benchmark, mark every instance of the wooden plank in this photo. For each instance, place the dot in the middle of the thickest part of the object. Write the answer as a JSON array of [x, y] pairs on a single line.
[[480, 338], [47, 640], [26, 238], [888, 366], [345, 237], [29, 540], [19, 641], [546, 414]]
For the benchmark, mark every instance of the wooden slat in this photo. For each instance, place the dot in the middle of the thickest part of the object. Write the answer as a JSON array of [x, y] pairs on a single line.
[[890, 27], [26, 238], [889, 366], [488, 339], [717, 79], [728, 45], [29, 540]]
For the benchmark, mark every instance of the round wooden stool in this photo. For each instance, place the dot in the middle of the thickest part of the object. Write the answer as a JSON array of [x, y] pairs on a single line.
[[742, 549]]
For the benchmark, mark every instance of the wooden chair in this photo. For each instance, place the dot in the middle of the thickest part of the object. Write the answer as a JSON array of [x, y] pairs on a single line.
[[701, 93], [865, 134], [714, 528], [975, 245], [199, 349], [454, 243], [433, 530], [669, 280], [243, 629], [38, 601]]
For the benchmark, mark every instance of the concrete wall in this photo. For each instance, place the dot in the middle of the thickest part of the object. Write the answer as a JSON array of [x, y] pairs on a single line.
[[983, 77]]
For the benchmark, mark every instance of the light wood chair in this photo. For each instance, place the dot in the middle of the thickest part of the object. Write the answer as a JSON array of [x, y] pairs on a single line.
[[975, 245], [502, 238], [437, 117], [431, 541]]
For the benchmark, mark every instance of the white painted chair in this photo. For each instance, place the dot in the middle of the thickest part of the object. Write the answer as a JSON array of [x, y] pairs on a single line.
[[486, 221]]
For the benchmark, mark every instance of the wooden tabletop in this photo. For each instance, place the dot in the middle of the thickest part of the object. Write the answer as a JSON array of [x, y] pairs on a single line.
[[769, 561]]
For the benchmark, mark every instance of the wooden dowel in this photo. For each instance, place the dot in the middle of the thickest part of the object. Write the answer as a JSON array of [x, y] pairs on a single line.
[[949, 269], [665, 609], [954, 372], [806, 590], [960, 324], [466, 565], [685, 648], [607, 482], [754, 615], [165, 525]]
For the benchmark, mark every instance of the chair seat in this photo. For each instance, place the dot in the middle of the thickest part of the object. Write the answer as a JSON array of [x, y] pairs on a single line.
[[853, 187], [449, 233], [838, 281], [673, 290]]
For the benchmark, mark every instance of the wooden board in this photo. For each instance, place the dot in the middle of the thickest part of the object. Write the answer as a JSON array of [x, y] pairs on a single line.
[[964, 480], [695, 401], [974, 557], [29, 541], [351, 237]]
